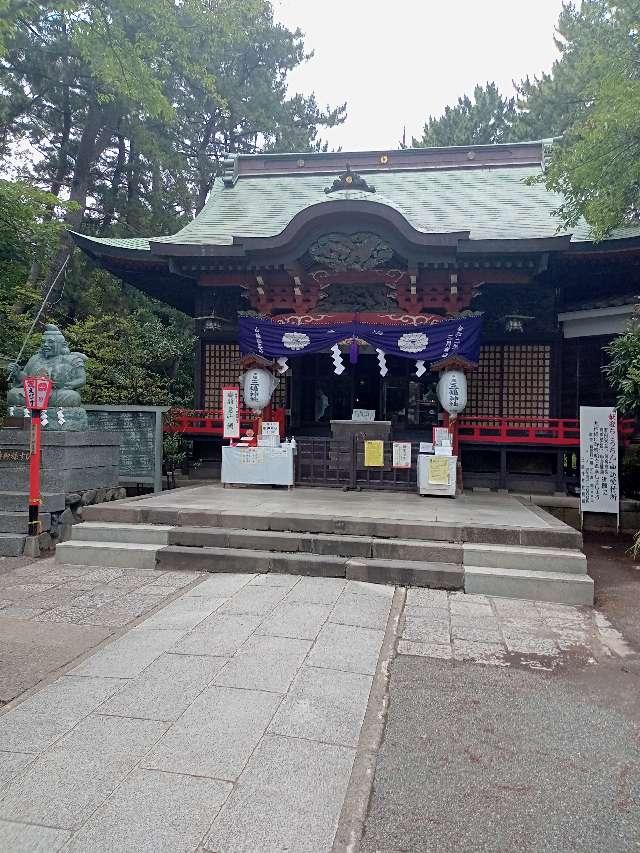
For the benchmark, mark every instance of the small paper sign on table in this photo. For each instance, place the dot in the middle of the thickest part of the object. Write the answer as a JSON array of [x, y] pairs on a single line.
[[374, 454], [402, 454], [439, 471]]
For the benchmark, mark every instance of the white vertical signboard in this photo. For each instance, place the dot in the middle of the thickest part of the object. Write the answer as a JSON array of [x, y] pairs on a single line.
[[599, 490], [231, 411]]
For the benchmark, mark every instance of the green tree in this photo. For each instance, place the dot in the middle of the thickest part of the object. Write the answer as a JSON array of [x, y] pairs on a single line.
[[119, 367], [129, 109], [623, 370], [28, 236], [596, 165], [487, 118]]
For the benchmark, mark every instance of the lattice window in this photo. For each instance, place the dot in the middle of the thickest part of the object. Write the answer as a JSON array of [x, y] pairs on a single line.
[[222, 367], [511, 381], [485, 384], [526, 380]]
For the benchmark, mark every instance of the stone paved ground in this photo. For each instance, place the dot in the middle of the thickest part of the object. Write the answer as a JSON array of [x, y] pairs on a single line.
[[504, 631], [50, 613], [228, 721]]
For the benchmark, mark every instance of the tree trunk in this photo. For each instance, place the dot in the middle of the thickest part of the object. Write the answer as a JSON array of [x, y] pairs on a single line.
[[116, 178], [205, 176], [85, 159], [134, 167]]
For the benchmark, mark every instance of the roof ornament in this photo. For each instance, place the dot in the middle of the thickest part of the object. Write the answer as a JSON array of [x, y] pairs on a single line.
[[350, 181]]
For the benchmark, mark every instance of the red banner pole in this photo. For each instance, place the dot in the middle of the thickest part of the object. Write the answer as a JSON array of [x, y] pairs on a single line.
[[34, 475]]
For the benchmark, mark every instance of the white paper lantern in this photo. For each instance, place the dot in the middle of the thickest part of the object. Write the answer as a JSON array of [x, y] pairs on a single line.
[[452, 391], [257, 388]]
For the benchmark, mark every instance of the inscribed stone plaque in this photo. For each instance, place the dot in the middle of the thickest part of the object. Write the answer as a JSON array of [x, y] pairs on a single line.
[[138, 448]]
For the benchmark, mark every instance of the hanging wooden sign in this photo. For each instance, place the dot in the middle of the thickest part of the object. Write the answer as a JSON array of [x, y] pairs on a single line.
[[231, 411]]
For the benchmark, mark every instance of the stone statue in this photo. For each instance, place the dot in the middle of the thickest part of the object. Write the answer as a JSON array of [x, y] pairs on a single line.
[[55, 360]]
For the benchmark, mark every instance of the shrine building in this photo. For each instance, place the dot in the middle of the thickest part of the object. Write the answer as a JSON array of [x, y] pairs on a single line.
[[400, 241]]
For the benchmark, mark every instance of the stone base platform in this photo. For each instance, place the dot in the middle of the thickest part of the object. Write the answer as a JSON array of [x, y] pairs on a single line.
[[492, 544], [74, 464]]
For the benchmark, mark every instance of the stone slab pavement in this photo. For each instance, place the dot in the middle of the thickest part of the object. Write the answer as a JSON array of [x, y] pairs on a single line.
[[227, 720], [50, 613], [236, 719]]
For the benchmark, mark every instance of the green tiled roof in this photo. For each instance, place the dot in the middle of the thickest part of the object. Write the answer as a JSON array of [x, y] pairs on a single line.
[[139, 243], [489, 202]]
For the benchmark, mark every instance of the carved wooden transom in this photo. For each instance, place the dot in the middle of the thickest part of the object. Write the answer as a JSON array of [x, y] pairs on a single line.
[[360, 251]]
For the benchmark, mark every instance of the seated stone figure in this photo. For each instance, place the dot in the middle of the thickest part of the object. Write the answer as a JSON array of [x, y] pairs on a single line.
[[55, 360]]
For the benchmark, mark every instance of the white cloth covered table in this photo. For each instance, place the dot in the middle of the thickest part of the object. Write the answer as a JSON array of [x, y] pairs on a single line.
[[427, 488], [258, 466]]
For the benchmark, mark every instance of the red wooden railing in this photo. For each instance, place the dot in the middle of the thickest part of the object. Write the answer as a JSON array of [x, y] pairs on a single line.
[[471, 429], [209, 421], [557, 432]]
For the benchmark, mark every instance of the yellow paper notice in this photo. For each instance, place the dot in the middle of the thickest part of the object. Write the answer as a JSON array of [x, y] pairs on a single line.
[[374, 454], [439, 470]]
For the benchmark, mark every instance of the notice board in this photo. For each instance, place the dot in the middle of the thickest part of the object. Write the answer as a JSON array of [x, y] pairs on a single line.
[[599, 489], [141, 445]]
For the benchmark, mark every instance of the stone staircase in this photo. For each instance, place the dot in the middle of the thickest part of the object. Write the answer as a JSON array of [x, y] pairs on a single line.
[[543, 563]]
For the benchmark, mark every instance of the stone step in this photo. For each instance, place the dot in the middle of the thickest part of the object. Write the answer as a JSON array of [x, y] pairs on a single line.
[[18, 522], [337, 545], [144, 534], [211, 559], [407, 573], [546, 537], [176, 557], [17, 501], [11, 544], [558, 587], [525, 559], [125, 555], [414, 573]]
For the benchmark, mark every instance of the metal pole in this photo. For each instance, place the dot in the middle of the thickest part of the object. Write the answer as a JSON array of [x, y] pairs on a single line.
[[34, 475]]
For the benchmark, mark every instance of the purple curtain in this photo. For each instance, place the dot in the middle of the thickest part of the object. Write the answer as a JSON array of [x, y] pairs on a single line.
[[459, 337]]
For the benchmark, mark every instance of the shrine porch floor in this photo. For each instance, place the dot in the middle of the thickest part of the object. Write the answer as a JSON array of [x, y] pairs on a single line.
[[485, 509]]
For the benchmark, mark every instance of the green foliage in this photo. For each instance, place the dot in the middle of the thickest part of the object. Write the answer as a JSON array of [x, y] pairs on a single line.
[[596, 166], [28, 237], [136, 358], [623, 370], [488, 118], [126, 108], [630, 474]]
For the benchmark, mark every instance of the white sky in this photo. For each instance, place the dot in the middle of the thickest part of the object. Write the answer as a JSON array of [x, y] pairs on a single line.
[[396, 62]]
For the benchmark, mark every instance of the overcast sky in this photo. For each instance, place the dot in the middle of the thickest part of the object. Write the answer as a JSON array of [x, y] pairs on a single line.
[[396, 62]]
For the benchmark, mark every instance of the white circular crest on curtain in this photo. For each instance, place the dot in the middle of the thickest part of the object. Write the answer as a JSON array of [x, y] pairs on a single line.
[[295, 340], [413, 342]]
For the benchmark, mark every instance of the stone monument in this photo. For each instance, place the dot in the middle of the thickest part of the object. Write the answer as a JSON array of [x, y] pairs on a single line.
[[55, 360], [79, 466]]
